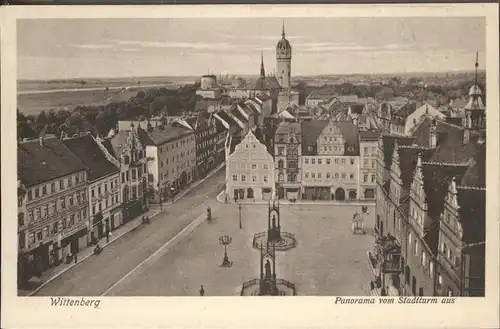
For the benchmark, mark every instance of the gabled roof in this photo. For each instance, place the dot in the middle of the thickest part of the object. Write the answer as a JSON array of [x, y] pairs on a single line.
[[405, 110], [421, 133], [227, 118], [87, 150], [237, 114], [267, 83], [159, 136], [436, 182], [408, 156], [288, 127], [219, 126], [452, 148], [476, 174], [37, 164], [310, 133]]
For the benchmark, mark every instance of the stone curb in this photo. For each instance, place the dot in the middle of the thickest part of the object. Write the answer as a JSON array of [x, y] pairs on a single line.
[[88, 256], [127, 231], [299, 202]]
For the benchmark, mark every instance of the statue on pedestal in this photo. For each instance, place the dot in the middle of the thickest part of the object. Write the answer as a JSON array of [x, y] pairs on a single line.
[[268, 270]]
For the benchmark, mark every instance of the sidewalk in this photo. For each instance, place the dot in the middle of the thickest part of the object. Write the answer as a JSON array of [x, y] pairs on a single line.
[[221, 198], [53, 272]]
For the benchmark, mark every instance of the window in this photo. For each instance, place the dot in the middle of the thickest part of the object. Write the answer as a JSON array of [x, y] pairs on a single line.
[[37, 192], [235, 178], [365, 150], [336, 175], [327, 161], [30, 195], [39, 235], [265, 178], [72, 220], [328, 175], [306, 161], [343, 175], [365, 178], [38, 213], [280, 164], [373, 178], [61, 184], [325, 148], [319, 175], [70, 181], [457, 261], [313, 161], [280, 177], [352, 161], [55, 228], [45, 231], [365, 163], [319, 161], [31, 238], [30, 215], [123, 179], [431, 269], [52, 187], [313, 175], [93, 193], [424, 259], [343, 161], [307, 175], [84, 214], [63, 223], [70, 200], [416, 247], [254, 166], [243, 178], [266, 167], [336, 161], [373, 164], [254, 178]]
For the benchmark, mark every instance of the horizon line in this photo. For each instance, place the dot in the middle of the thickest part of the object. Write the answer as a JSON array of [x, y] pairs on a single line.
[[246, 74]]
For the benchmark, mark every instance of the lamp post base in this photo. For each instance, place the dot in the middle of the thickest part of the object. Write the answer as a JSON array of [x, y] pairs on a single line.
[[226, 262]]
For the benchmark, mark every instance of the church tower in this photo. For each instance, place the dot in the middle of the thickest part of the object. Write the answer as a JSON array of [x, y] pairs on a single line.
[[475, 111], [284, 61]]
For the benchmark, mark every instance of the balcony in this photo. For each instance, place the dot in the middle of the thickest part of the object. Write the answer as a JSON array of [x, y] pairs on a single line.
[[388, 254]]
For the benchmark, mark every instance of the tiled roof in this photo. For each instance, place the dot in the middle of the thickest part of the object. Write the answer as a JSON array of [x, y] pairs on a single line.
[[367, 135], [192, 121], [357, 108], [87, 150], [287, 127], [267, 83], [476, 174], [37, 164], [159, 136], [472, 214], [310, 133], [436, 182], [452, 149], [350, 134], [219, 126], [421, 133], [405, 110], [246, 108], [226, 117], [407, 163], [238, 115]]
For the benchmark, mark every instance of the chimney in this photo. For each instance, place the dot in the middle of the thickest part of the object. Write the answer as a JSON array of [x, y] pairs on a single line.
[[432, 135]]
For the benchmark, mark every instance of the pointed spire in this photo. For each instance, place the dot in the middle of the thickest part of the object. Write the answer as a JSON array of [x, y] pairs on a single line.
[[477, 64], [283, 30], [262, 70]]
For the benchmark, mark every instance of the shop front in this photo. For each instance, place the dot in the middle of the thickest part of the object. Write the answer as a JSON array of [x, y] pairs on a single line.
[[317, 193]]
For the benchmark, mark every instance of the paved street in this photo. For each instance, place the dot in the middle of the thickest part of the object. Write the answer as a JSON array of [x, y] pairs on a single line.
[[328, 260], [95, 275]]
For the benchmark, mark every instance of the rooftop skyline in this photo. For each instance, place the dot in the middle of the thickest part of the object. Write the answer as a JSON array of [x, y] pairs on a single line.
[[117, 48]]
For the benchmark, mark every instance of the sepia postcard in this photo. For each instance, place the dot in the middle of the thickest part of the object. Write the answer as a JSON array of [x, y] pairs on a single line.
[[171, 160]]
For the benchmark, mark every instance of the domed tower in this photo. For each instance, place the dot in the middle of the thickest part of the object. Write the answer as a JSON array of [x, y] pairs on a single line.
[[284, 61], [475, 111]]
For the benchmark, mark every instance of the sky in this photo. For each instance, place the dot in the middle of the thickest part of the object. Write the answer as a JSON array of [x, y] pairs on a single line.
[[85, 48]]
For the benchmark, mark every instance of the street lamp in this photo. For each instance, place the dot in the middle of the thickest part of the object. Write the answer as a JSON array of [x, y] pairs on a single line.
[[172, 193], [225, 240], [160, 196], [239, 209]]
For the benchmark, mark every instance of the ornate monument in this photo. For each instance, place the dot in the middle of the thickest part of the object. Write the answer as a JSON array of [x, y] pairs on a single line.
[[267, 284], [281, 241]]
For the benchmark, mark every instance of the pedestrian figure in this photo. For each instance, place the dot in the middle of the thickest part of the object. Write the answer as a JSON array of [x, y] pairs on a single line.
[[108, 236], [202, 291], [76, 259]]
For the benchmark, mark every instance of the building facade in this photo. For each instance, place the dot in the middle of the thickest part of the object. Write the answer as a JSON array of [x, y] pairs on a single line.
[[126, 151], [330, 160], [103, 179], [57, 209], [368, 151], [250, 171], [287, 159], [171, 154]]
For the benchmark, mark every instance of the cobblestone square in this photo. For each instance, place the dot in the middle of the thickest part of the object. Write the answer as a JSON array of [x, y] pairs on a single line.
[[328, 260]]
